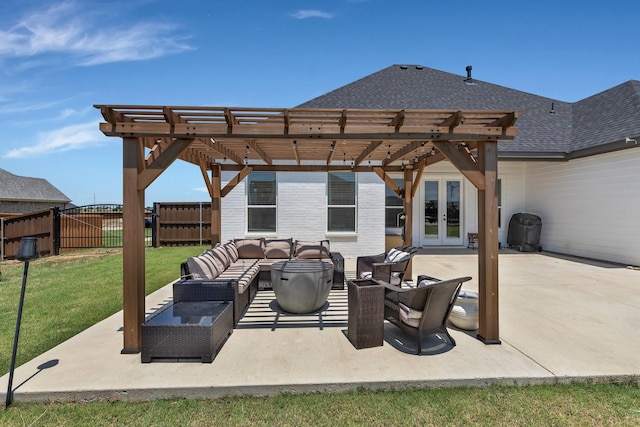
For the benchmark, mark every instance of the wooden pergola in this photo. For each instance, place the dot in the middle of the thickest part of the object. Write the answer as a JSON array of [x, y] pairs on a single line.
[[244, 140]]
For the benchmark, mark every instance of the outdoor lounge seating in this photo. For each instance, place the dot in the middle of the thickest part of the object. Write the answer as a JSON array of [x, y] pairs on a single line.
[[388, 267], [423, 310], [235, 270]]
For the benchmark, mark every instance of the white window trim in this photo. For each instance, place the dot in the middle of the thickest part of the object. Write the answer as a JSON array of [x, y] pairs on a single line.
[[355, 208], [249, 233]]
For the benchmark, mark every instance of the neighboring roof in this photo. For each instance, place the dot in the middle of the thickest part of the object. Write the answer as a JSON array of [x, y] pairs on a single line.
[[22, 188], [602, 119]]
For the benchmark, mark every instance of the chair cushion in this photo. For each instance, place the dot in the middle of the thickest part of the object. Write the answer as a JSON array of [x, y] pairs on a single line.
[[396, 255], [278, 248], [313, 250], [250, 248], [394, 280], [409, 316]]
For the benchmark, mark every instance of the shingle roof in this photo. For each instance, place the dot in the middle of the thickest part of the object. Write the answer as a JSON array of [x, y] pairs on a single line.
[[21, 188], [571, 127]]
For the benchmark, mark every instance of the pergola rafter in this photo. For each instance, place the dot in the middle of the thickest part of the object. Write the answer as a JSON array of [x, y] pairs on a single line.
[[218, 139]]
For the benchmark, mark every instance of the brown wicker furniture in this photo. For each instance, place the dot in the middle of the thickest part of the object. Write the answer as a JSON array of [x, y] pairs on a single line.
[[187, 330], [301, 285], [365, 323], [388, 267], [423, 310]]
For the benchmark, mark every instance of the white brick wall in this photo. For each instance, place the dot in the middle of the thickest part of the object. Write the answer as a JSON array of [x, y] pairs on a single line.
[[302, 212]]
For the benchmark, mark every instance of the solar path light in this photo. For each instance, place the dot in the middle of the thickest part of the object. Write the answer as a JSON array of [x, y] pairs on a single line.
[[27, 251]]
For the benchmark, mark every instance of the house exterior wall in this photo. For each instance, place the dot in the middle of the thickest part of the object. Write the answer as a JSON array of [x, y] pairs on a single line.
[[302, 212], [589, 207]]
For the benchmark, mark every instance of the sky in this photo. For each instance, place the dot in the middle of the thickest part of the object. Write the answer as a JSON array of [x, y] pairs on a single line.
[[59, 58]]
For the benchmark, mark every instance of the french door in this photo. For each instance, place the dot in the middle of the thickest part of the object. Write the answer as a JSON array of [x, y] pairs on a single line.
[[441, 220]]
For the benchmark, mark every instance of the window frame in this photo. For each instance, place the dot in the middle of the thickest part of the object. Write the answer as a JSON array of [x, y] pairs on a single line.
[[250, 207], [354, 206]]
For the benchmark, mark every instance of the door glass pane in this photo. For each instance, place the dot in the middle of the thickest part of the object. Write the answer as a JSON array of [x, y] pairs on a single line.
[[431, 209], [453, 209]]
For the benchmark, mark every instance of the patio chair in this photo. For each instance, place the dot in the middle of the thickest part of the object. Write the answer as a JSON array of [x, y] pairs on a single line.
[[388, 267], [423, 310]]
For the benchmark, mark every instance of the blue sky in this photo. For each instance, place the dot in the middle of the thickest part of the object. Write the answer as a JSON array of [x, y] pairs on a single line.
[[59, 58]]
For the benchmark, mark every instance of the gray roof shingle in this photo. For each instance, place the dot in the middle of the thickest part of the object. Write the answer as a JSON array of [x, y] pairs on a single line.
[[22, 188], [601, 119]]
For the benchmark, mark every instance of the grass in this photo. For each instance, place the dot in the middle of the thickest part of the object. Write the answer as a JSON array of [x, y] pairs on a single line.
[[615, 404], [66, 294], [69, 293]]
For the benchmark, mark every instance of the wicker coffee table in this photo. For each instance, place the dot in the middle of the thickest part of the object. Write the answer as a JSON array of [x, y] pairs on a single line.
[[187, 330]]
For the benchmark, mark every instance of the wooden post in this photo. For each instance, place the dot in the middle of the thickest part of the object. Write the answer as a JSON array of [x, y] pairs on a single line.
[[488, 245], [216, 205], [133, 284], [408, 212]]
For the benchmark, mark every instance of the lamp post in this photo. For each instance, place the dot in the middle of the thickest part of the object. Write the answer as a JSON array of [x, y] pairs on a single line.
[[27, 251]]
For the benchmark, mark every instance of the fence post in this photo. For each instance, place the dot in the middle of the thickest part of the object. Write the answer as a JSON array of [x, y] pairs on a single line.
[[1, 239], [154, 225], [55, 232], [200, 223]]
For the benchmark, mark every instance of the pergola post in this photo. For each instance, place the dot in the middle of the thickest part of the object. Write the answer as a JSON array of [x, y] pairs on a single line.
[[133, 263], [488, 244], [407, 197], [216, 205]]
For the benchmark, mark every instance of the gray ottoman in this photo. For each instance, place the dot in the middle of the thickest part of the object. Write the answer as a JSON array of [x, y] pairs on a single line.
[[301, 285]]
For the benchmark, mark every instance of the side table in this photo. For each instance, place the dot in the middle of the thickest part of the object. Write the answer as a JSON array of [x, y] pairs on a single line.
[[365, 324], [187, 330]]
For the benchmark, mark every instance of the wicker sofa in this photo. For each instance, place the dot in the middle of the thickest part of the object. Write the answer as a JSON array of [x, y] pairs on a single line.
[[235, 270]]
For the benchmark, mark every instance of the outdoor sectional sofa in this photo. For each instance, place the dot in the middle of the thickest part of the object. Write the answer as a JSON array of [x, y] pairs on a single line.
[[235, 270]]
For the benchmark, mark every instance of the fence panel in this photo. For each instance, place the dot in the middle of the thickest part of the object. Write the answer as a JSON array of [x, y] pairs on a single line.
[[94, 226], [182, 224], [40, 224]]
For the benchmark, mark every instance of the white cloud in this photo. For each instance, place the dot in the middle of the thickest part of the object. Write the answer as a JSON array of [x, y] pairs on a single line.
[[200, 190], [307, 13], [73, 137], [65, 29]]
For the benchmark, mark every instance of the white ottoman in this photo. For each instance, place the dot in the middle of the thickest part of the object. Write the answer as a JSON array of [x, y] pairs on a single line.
[[464, 313]]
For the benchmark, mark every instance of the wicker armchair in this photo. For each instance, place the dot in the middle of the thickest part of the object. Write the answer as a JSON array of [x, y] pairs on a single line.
[[423, 310], [388, 267]]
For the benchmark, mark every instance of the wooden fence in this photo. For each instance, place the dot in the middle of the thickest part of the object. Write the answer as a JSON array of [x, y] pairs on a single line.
[[42, 224], [182, 224]]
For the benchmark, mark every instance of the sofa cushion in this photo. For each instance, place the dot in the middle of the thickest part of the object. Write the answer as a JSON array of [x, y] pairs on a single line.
[[214, 264], [278, 248], [312, 250], [250, 248], [231, 249], [200, 268], [221, 255]]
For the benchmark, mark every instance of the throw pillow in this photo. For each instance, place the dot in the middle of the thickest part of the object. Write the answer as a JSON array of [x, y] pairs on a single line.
[[278, 248], [396, 255], [313, 250], [250, 248]]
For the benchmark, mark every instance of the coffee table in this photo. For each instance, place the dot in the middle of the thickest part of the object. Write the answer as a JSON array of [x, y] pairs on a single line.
[[301, 285], [187, 330]]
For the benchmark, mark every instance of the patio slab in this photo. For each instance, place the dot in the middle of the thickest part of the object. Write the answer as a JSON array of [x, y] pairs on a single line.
[[561, 319]]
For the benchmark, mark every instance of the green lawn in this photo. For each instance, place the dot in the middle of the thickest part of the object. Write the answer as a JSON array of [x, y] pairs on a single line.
[[69, 293]]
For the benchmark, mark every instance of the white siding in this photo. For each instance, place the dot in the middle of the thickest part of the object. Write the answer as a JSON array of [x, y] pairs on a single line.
[[302, 212], [589, 207]]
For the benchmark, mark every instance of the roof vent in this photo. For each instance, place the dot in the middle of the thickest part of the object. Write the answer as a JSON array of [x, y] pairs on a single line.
[[403, 67], [419, 67], [469, 80]]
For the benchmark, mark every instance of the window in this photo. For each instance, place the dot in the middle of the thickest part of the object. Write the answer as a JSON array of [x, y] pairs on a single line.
[[393, 207], [341, 202], [261, 202]]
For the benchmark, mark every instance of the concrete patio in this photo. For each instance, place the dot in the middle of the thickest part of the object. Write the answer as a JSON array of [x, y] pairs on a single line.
[[561, 319]]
